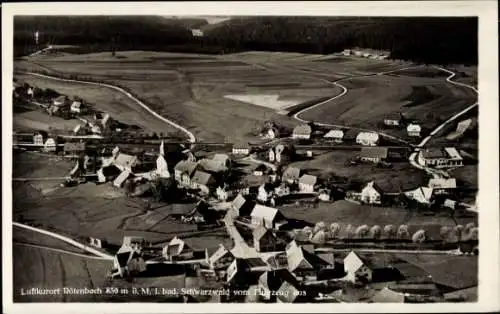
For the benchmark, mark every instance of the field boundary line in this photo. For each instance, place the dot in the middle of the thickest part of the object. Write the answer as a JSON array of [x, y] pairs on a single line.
[[48, 248], [190, 135], [65, 239]]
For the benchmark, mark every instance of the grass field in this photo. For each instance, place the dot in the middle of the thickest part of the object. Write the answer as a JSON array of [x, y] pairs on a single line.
[[25, 236], [37, 120]]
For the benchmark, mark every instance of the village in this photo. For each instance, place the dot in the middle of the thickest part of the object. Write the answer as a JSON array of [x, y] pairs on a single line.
[[246, 188]]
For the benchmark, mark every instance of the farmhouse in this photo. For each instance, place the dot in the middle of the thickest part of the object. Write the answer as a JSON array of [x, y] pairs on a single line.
[[183, 172], [265, 192], [271, 281], [373, 154], [264, 239], [291, 175], [367, 138], [335, 135], [177, 249], [221, 259], [442, 185], [413, 130], [440, 158], [371, 194], [267, 216], [356, 269], [422, 195], [241, 149], [392, 120], [307, 183], [203, 181], [302, 131]]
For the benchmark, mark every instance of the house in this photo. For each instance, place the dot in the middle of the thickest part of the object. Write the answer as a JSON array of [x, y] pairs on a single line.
[[271, 281], [367, 138], [371, 194], [50, 145], [302, 131], [387, 295], [356, 269], [422, 194], [133, 243], [440, 158], [291, 175], [242, 271], [76, 107], [282, 190], [462, 127], [307, 183], [240, 206], [241, 149], [30, 92], [392, 120], [305, 264], [222, 193], [128, 262], [264, 239], [373, 154], [183, 172], [264, 192], [271, 155], [346, 52], [267, 216], [413, 130], [291, 293], [270, 134], [335, 135], [450, 204], [177, 249], [442, 185], [197, 32], [203, 181], [59, 101], [260, 170], [126, 162], [221, 259], [325, 195], [38, 139], [122, 177], [283, 153], [74, 148]]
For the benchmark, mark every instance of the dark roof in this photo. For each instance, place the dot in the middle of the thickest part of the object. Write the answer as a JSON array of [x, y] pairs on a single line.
[[374, 152], [433, 153], [273, 279], [241, 146], [123, 258], [69, 146], [201, 177]]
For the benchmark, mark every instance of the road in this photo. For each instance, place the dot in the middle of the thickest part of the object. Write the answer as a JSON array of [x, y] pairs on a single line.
[[60, 251], [190, 135]]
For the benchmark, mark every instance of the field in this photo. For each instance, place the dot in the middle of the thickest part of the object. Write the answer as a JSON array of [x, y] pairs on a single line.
[[400, 178], [30, 238], [37, 120]]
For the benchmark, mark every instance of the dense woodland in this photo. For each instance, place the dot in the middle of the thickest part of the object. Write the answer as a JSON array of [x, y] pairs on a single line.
[[421, 39]]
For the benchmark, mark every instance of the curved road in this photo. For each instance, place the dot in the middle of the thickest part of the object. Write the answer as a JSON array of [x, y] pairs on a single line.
[[189, 134], [60, 251]]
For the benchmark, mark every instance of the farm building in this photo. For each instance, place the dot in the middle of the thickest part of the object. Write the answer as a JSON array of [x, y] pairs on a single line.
[[290, 293], [422, 195], [176, 249], [373, 154], [334, 135], [271, 281], [267, 216], [356, 269], [307, 183], [38, 139], [263, 239], [74, 148], [242, 271], [367, 138], [305, 264], [371, 194], [413, 130], [221, 258], [76, 107], [392, 120], [127, 262], [203, 181], [442, 185], [302, 131], [183, 172], [291, 175], [50, 145], [241, 149], [440, 158], [126, 162], [133, 243]]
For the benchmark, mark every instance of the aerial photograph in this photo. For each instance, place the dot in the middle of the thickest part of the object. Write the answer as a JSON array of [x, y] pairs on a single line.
[[244, 159]]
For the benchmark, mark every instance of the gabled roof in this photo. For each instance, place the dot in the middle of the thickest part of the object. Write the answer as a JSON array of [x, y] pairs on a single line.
[[201, 177], [375, 186], [292, 173], [442, 183], [296, 258], [368, 136], [288, 292], [126, 160], [334, 134], [221, 252], [308, 179], [186, 166], [238, 202], [264, 212], [241, 146], [176, 246], [352, 262], [259, 232], [302, 129], [413, 128], [452, 153], [123, 257], [374, 152], [274, 279], [433, 153]]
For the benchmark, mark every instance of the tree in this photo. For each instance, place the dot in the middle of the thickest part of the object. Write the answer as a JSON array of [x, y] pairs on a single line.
[[319, 226], [349, 232], [459, 231], [468, 228], [445, 233], [419, 236], [334, 230], [403, 232], [473, 234], [389, 232], [376, 232], [319, 237], [362, 232]]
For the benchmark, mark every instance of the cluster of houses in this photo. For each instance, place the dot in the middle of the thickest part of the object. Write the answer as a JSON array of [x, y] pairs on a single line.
[[305, 131], [398, 121], [366, 53]]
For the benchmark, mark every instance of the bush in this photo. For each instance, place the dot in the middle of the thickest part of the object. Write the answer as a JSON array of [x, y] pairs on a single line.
[[362, 232], [403, 232], [389, 232], [376, 232], [419, 236]]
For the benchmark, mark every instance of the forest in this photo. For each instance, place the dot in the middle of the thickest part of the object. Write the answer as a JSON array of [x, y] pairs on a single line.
[[441, 40]]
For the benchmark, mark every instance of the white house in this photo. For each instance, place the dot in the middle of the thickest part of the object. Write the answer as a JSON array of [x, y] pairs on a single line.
[[241, 149], [442, 185], [221, 193], [76, 107], [367, 138], [335, 135], [38, 139], [177, 248], [413, 130], [183, 171], [302, 131], [50, 145], [267, 216], [440, 158], [422, 194], [356, 269], [271, 155], [263, 193], [30, 92], [371, 194], [307, 183]]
